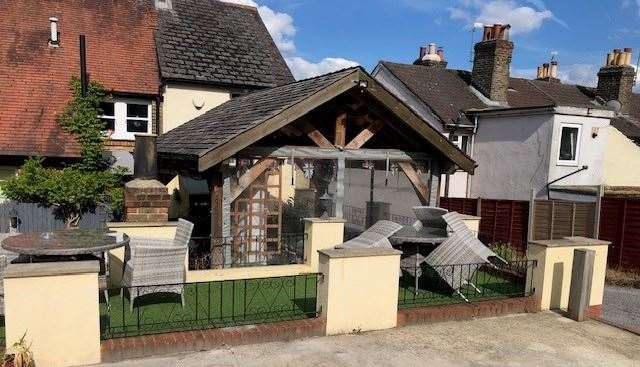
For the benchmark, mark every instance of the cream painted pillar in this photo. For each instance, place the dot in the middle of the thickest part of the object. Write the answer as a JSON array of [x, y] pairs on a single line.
[[320, 234], [56, 304], [552, 275], [359, 289]]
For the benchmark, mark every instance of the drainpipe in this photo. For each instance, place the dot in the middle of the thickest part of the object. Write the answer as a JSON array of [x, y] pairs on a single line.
[[563, 177], [472, 151]]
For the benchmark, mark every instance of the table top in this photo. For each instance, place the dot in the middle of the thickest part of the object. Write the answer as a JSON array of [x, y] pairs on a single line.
[[65, 242], [426, 235]]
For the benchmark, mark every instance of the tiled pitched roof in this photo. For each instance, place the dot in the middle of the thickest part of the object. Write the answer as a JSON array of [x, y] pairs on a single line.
[[629, 123], [443, 90], [34, 78], [222, 123], [448, 91], [216, 42]]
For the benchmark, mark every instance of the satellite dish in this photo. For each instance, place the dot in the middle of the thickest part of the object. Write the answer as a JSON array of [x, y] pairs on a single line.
[[615, 105]]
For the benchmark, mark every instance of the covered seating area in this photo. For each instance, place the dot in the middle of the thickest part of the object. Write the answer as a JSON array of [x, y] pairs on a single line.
[[337, 145]]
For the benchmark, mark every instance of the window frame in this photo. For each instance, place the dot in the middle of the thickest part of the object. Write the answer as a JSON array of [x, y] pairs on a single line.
[[458, 142], [120, 131], [573, 162]]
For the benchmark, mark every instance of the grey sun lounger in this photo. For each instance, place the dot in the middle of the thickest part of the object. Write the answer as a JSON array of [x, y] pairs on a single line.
[[460, 248], [375, 236]]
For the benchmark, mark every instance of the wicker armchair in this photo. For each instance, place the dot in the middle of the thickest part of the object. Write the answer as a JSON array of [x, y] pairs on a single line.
[[156, 265]]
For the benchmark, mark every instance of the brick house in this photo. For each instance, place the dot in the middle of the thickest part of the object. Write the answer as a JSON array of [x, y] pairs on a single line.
[[538, 135], [162, 63]]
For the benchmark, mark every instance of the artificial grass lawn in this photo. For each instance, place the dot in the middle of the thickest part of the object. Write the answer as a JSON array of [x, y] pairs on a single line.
[[210, 305], [432, 290]]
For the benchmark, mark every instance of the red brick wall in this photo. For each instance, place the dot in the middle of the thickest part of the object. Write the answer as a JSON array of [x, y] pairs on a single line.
[[150, 204]]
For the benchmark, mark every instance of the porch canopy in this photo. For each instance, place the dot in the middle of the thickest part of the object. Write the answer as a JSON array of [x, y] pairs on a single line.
[[321, 146]]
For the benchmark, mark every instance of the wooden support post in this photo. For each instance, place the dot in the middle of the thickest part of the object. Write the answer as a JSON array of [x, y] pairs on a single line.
[[217, 254], [315, 135], [419, 185], [365, 135], [341, 130], [251, 175], [532, 219], [596, 219], [552, 218]]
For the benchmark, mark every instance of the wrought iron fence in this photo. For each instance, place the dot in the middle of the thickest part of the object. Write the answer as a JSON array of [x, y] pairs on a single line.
[[449, 284], [207, 305], [244, 251]]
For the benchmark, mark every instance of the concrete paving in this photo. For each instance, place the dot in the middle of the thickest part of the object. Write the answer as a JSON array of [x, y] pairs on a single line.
[[543, 339], [622, 306]]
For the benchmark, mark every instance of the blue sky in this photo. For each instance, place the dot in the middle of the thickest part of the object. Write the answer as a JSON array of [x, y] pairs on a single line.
[[318, 36]]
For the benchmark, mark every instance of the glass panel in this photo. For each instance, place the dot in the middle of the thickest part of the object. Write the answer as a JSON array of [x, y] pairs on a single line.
[[137, 110], [569, 143], [137, 126], [107, 108], [109, 124]]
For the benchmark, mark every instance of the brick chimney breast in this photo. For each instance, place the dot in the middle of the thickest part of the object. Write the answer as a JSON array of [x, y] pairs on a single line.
[[616, 78], [492, 58], [146, 201]]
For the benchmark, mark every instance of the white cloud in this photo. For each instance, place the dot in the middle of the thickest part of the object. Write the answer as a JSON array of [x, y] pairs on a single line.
[[523, 19], [302, 68], [282, 28]]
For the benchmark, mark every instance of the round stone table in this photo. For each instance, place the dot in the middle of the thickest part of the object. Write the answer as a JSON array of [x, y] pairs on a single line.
[[67, 242]]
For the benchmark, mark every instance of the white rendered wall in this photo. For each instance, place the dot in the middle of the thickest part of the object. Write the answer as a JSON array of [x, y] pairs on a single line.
[[180, 101]]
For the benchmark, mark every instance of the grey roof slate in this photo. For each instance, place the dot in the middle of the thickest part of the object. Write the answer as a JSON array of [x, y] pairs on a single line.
[[215, 42], [222, 123]]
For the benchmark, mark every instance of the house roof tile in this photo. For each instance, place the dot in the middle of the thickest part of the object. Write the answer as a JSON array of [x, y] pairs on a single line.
[[217, 42], [34, 77], [222, 123]]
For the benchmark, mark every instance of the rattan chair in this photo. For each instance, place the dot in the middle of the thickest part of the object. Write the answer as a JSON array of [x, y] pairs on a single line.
[[156, 265]]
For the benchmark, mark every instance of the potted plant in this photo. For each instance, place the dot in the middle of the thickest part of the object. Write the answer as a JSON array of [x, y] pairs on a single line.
[[19, 354]]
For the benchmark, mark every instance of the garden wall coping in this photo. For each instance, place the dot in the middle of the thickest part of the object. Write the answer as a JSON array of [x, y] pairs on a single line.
[[51, 269]]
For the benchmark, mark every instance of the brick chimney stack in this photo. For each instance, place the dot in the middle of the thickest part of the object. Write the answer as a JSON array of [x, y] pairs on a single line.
[[145, 198], [431, 56], [616, 78], [491, 62]]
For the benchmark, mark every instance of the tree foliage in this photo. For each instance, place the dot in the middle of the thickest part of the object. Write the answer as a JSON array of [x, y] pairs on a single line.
[[82, 186]]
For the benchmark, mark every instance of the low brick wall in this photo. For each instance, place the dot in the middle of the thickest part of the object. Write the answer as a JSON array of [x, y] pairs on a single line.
[[189, 341], [467, 311]]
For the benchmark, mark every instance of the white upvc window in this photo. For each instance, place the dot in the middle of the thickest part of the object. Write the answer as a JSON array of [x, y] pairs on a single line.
[[569, 147], [125, 117], [461, 141]]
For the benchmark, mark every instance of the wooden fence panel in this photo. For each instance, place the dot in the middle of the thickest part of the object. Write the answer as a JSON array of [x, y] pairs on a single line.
[[558, 219], [501, 220], [620, 224], [34, 218]]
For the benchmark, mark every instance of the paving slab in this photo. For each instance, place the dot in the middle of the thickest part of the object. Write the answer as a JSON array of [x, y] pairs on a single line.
[[622, 306], [542, 339]]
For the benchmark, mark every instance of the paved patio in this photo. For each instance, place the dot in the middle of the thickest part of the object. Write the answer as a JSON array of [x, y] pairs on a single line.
[[519, 340]]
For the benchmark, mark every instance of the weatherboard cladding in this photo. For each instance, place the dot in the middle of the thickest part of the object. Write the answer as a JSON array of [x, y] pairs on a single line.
[[215, 42], [219, 125]]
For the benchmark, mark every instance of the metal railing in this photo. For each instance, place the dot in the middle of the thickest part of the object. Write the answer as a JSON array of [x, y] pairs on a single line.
[[244, 251], [207, 305], [449, 284]]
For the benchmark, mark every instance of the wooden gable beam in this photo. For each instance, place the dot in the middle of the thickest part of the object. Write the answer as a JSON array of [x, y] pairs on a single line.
[[421, 188], [365, 135], [251, 175], [315, 135], [341, 130]]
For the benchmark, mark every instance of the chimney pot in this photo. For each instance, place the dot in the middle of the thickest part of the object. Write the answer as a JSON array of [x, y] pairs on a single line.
[[554, 70], [53, 34], [610, 59], [539, 73], [486, 35], [423, 52], [440, 53]]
